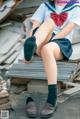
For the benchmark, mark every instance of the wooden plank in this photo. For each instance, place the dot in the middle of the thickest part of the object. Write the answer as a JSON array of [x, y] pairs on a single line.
[[1, 2], [5, 24], [15, 27], [35, 75], [72, 84], [11, 58], [30, 3], [65, 95], [39, 66], [20, 81], [72, 90], [4, 57], [35, 70], [10, 6], [7, 4], [5, 67], [8, 41], [24, 12], [3, 14]]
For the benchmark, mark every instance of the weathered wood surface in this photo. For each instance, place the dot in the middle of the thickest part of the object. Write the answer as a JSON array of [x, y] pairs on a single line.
[[35, 70], [7, 7], [9, 47], [8, 41], [15, 27], [1, 2], [11, 40], [76, 74], [30, 3]]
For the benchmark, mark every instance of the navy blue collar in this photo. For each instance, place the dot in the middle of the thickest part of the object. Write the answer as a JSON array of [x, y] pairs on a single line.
[[70, 5]]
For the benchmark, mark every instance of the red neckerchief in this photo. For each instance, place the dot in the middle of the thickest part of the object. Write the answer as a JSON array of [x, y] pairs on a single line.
[[59, 19]]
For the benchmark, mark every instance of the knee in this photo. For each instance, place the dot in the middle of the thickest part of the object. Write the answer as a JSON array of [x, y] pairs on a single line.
[[42, 50], [45, 50]]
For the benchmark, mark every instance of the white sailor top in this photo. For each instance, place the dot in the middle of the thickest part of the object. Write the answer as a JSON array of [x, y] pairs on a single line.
[[67, 14]]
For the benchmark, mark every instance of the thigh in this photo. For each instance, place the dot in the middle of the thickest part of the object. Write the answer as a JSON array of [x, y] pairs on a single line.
[[38, 51], [55, 49]]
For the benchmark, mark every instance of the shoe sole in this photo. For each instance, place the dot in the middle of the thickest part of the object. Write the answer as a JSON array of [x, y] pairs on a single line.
[[49, 115], [29, 48], [32, 115]]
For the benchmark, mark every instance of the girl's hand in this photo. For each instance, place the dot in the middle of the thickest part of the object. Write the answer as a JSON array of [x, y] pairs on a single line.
[[65, 31]]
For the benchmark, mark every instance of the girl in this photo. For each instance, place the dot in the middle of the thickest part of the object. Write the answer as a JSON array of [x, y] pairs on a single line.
[[51, 38]]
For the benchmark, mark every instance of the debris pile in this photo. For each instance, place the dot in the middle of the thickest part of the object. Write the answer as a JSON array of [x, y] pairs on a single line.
[[5, 102], [11, 40]]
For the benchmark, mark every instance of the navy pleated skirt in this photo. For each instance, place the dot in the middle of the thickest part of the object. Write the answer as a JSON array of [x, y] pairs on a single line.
[[65, 47]]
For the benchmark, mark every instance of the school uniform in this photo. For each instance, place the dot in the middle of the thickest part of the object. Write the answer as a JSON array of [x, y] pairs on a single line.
[[68, 13]]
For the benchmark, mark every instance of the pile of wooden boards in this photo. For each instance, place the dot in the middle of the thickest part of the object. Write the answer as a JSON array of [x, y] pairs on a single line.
[[1, 2], [4, 96], [6, 8], [11, 40]]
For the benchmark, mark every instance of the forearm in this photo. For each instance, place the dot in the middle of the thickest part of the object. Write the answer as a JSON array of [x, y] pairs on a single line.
[[65, 31]]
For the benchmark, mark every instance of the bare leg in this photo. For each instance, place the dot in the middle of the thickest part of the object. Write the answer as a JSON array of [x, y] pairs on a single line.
[[38, 50], [39, 38], [50, 53], [44, 31]]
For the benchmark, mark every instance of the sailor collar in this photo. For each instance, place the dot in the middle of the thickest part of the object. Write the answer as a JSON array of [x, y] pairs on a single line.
[[59, 19], [70, 5]]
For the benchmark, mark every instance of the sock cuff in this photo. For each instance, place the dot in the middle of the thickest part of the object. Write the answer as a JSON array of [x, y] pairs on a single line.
[[34, 31], [52, 87]]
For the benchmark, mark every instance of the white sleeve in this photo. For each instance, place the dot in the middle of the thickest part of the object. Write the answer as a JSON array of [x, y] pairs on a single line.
[[76, 16], [39, 15]]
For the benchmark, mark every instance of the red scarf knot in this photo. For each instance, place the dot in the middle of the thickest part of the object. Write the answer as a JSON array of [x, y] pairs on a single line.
[[59, 19]]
